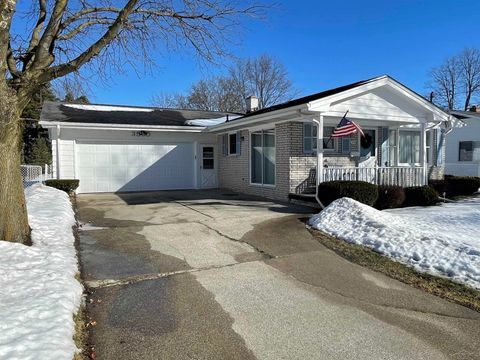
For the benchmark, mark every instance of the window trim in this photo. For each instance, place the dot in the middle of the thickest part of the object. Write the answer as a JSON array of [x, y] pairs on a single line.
[[325, 150], [251, 183], [398, 147]]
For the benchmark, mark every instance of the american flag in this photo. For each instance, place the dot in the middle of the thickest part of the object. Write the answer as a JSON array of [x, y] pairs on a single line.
[[345, 128]]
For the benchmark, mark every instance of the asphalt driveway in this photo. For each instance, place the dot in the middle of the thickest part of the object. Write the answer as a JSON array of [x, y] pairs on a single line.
[[216, 275]]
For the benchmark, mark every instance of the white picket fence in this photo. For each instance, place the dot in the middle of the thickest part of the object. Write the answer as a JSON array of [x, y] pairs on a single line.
[[395, 175], [33, 174]]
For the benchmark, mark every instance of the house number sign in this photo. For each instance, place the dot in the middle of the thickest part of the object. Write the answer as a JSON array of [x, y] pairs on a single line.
[[141, 133]]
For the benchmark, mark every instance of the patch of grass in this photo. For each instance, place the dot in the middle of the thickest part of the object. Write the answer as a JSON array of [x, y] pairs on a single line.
[[370, 259], [81, 334]]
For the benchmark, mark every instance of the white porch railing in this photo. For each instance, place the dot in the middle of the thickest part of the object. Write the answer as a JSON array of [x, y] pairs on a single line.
[[32, 174], [398, 175]]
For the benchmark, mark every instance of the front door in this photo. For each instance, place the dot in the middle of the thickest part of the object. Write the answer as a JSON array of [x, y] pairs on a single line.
[[208, 167], [367, 148]]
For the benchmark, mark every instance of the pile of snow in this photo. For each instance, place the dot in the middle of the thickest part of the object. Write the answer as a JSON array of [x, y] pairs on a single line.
[[38, 290], [211, 122], [440, 240]]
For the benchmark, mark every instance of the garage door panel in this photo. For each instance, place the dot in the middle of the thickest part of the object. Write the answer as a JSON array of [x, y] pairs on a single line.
[[134, 167]]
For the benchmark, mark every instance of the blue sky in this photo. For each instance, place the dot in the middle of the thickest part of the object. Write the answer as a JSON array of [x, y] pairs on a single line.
[[324, 44]]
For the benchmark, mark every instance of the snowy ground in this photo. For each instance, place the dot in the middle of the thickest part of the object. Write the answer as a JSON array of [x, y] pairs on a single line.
[[441, 240], [38, 290]]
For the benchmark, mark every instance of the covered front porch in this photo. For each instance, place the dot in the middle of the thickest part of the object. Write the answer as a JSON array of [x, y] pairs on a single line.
[[402, 144]]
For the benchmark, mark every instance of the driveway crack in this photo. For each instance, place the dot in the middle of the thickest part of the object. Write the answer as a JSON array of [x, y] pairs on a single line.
[[264, 254], [105, 283]]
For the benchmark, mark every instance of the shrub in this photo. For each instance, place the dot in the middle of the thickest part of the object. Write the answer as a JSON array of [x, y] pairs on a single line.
[[67, 185], [462, 185], [361, 191], [390, 197], [440, 186], [420, 196]]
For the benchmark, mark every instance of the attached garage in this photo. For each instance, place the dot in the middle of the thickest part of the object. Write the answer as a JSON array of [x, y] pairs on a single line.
[[123, 149], [118, 167]]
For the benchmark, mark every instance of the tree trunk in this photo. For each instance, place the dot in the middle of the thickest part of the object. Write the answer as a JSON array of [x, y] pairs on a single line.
[[13, 211]]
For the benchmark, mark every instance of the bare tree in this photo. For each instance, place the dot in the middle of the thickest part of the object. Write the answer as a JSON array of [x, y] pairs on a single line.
[[457, 80], [469, 66], [263, 77], [444, 82], [215, 94], [67, 35], [169, 101]]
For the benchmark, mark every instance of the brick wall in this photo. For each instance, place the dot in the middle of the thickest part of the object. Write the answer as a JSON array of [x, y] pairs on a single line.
[[234, 171], [292, 166]]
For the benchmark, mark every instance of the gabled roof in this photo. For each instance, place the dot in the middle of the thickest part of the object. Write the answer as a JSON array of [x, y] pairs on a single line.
[[123, 115], [321, 102], [309, 98], [324, 94]]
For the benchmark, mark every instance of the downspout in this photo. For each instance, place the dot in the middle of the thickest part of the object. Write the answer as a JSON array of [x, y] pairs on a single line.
[[319, 177]]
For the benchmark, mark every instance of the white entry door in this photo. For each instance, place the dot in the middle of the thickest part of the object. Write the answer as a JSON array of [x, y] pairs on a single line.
[[120, 167], [208, 167]]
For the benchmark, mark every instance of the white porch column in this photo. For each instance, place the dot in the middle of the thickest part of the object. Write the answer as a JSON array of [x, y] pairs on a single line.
[[423, 152], [319, 149]]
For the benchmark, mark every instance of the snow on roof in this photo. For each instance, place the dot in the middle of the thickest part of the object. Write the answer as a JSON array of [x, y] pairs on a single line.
[[93, 107], [211, 122]]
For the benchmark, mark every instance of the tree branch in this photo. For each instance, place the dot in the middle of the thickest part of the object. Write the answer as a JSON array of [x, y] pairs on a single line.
[[71, 66], [44, 51], [80, 28], [42, 15]]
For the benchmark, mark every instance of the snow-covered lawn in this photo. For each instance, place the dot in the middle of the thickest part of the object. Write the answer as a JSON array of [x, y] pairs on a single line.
[[38, 290], [441, 240]]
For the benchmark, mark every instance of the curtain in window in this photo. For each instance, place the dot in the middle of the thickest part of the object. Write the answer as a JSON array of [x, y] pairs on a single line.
[[409, 147]]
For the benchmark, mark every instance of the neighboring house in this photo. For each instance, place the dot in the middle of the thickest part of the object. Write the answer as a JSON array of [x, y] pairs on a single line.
[[463, 145], [272, 152]]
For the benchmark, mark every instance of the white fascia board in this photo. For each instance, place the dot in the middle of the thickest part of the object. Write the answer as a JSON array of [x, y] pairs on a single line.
[[323, 105], [420, 100], [272, 116], [86, 126]]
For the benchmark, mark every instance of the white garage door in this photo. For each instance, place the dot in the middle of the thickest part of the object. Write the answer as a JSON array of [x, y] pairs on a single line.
[[120, 167]]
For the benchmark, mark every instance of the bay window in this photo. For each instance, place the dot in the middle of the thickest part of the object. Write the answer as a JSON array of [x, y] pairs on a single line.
[[262, 162]]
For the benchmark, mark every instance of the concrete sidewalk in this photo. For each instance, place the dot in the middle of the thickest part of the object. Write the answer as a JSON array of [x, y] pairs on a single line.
[[215, 275]]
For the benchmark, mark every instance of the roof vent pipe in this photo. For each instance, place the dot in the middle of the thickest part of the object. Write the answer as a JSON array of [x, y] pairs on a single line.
[[252, 103]]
